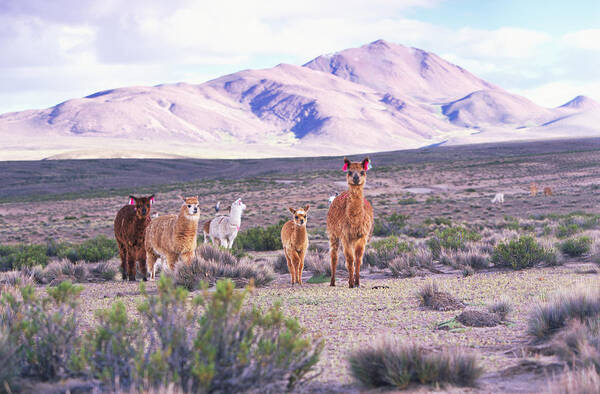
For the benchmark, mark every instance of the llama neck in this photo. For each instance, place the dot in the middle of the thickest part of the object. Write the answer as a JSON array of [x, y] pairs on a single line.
[[235, 217], [185, 224], [355, 204], [299, 232]]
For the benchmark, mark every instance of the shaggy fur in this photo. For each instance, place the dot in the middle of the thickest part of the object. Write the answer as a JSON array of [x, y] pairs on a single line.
[[498, 198], [547, 191], [130, 229], [225, 228], [173, 237], [350, 221], [533, 189], [295, 242]]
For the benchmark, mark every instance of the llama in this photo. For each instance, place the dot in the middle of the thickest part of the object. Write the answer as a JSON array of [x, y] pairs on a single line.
[[547, 191], [498, 198], [533, 189], [173, 237], [130, 230], [295, 242], [350, 220], [225, 228], [332, 197]]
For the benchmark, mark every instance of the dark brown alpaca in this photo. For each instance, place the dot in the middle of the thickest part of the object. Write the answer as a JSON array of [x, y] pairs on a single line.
[[130, 230], [350, 220]]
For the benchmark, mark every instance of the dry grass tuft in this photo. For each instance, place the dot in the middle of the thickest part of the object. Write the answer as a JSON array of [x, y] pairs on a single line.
[[431, 297]]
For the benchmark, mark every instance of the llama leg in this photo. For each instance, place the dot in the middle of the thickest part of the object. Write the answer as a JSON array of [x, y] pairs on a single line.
[[290, 265], [143, 267], [131, 266], [359, 251], [123, 255], [300, 266], [295, 263], [151, 260], [334, 246], [349, 254], [171, 260], [205, 238]]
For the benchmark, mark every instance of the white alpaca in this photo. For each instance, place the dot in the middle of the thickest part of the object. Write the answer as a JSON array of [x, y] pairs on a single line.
[[498, 198], [225, 228], [332, 197]]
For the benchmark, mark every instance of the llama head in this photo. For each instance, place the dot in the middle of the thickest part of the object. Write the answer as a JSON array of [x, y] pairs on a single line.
[[238, 206], [141, 205], [300, 215], [356, 172], [190, 207]]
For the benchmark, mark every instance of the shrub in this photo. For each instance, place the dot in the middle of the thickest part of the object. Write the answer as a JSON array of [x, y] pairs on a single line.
[[228, 349], [380, 253], [567, 230], [430, 296], [518, 253], [280, 263], [43, 329], [216, 253], [579, 346], [581, 381], [93, 250], [391, 225], [547, 318], [9, 363], [576, 247], [19, 256], [260, 238], [452, 238], [409, 264], [502, 308], [104, 271], [395, 364], [17, 278]]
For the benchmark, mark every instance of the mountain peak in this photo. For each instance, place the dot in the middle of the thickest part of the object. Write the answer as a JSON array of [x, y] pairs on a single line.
[[581, 102]]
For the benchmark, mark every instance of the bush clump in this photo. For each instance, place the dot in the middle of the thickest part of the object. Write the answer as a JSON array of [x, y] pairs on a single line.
[[390, 225], [395, 364], [575, 247], [381, 252], [259, 238], [452, 238], [519, 253], [15, 257]]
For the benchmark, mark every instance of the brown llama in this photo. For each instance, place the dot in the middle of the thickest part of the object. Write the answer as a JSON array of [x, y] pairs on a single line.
[[350, 220], [295, 242], [130, 230], [173, 237], [547, 191], [533, 189]]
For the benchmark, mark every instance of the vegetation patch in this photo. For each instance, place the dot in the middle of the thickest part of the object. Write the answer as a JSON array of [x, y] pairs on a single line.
[[431, 297]]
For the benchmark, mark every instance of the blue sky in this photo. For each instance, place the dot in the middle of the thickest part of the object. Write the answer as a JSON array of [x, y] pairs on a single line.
[[548, 51]]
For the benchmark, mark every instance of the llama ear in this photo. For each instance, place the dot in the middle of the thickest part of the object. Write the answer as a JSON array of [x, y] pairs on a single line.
[[131, 200], [307, 207], [366, 163], [292, 210], [346, 164]]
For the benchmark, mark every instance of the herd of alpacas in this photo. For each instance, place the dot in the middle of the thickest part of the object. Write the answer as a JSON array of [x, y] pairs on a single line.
[[143, 239], [172, 238]]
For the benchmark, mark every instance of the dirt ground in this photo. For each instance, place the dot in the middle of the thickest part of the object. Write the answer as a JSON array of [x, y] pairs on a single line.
[[456, 184]]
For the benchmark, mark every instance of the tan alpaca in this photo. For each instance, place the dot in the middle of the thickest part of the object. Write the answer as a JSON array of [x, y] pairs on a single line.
[[350, 220], [533, 189], [295, 242], [547, 191], [173, 237]]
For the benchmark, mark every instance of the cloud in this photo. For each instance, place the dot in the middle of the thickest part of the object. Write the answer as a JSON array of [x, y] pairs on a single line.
[[584, 39], [556, 93]]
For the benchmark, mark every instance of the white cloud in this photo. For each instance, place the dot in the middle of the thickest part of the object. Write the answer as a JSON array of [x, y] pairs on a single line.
[[556, 93], [583, 39]]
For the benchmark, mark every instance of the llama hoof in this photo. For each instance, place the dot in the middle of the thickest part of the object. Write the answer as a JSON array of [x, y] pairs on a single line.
[[132, 278], [145, 279], [332, 284]]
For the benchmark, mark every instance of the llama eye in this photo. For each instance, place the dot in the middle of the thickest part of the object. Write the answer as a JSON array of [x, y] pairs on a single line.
[[296, 216], [189, 206], [362, 173], [349, 173]]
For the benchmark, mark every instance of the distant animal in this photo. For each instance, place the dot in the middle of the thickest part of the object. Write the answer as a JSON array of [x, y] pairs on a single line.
[[225, 228], [173, 237], [547, 191], [350, 221], [217, 206], [332, 197], [498, 198], [130, 231], [533, 189], [294, 239]]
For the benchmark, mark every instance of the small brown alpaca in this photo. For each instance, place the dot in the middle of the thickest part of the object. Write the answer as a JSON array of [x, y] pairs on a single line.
[[547, 191], [533, 189], [350, 220], [173, 237], [295, 242], [130, 230]]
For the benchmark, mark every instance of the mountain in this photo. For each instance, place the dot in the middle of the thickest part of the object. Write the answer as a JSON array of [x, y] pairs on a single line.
[[380, 96]]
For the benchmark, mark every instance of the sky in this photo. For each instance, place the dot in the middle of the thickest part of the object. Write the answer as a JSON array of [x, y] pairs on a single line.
[[54, 50]]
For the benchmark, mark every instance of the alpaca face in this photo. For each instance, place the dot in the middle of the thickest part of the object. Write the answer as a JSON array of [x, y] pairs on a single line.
[[141, 205], [300, 216], [238, 205], [190, 204], [356, 172]]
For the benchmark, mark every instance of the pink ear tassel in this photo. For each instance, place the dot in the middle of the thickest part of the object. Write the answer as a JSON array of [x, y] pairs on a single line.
[[131, 202], [345, 167], [152, 201], [368, 165]]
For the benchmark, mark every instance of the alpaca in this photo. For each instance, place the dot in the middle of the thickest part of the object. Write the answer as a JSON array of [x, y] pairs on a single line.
[[295, 242], [547, 191], [533, 189], [350, 220], [130, 230], [225, 228], [332, 197], [173, 237], [498, 198]]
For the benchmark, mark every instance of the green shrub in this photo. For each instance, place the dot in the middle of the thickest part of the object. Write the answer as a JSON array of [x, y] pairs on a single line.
[[519, 253], [15, 257], [452, 238], [567, 230], [391, 225], [394, 364], [576, 247], [381, 252], [259, 238], [93, 250], [407, 201]]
